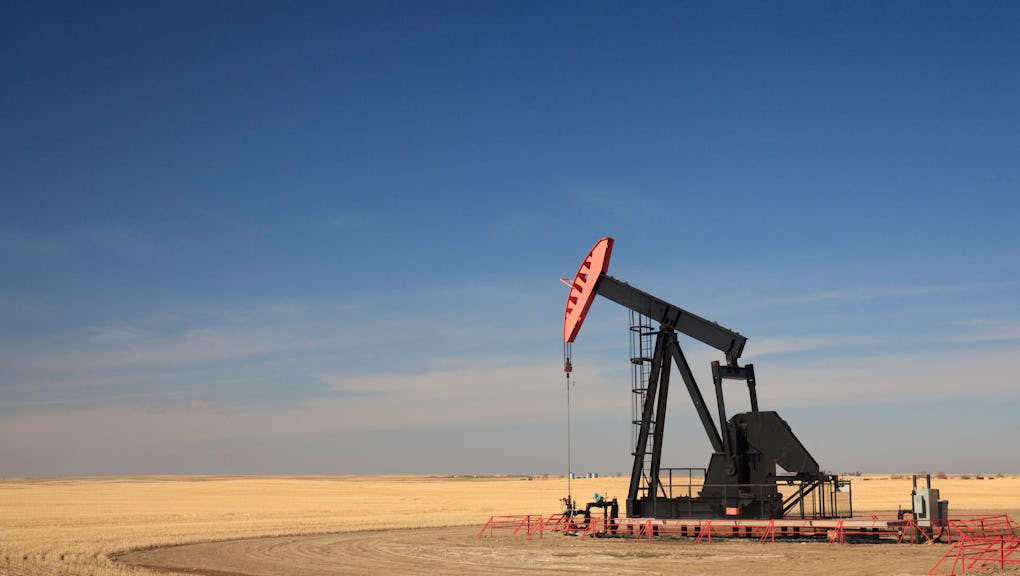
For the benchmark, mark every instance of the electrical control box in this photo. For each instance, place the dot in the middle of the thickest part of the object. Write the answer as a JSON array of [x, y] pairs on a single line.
[[926, 506], [929, 510]]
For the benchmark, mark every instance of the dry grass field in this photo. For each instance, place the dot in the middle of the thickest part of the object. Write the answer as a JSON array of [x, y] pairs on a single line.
[[76, 526]]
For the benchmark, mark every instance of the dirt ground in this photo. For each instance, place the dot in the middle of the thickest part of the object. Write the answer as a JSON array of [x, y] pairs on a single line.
[[457, 551], [275, 526]]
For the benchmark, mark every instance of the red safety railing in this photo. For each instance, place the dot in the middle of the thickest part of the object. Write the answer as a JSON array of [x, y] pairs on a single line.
[[978, 553], [872, 528], [557, 523], [982, 526], [834, 531], [530, 524]]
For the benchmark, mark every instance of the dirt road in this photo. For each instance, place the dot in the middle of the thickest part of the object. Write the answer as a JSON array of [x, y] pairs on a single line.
[[456, 551]]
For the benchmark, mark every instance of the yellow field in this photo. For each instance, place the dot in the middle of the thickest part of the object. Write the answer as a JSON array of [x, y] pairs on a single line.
[[74, 525]]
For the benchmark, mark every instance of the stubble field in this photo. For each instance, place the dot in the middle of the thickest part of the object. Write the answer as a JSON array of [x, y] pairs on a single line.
[[398, 525]]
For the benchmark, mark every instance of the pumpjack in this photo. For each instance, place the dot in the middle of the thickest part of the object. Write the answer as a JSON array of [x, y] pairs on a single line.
[[742, 480]]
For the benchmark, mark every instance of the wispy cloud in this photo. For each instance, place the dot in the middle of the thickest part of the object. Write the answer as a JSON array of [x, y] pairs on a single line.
[[458, 393], [864, 293], [117, 239], [766, 346], [103, 334], [603, 200], [491, 393], [469, 391], [344, 222], [148, 356], [237, 349], [894, 378], [841, 344], [103, 237], [115, 348], [983, 330], [19, 243]]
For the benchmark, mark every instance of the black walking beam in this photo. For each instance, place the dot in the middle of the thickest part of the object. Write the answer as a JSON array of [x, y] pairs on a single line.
[[673, 317]]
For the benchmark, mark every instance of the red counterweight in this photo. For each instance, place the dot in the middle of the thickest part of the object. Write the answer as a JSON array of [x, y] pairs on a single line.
[[582, 289]]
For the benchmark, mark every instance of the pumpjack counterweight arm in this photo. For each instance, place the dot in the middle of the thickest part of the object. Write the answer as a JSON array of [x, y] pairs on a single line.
[[771, 435], [669, 316]]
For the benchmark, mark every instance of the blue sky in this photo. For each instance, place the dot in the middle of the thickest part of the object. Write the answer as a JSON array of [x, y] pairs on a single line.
[[268, 237]]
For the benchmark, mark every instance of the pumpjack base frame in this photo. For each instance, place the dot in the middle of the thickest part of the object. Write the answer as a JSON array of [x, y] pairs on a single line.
[[827, 498]]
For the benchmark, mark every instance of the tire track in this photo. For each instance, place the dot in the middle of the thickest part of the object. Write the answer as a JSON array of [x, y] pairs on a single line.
[[456, 552]]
